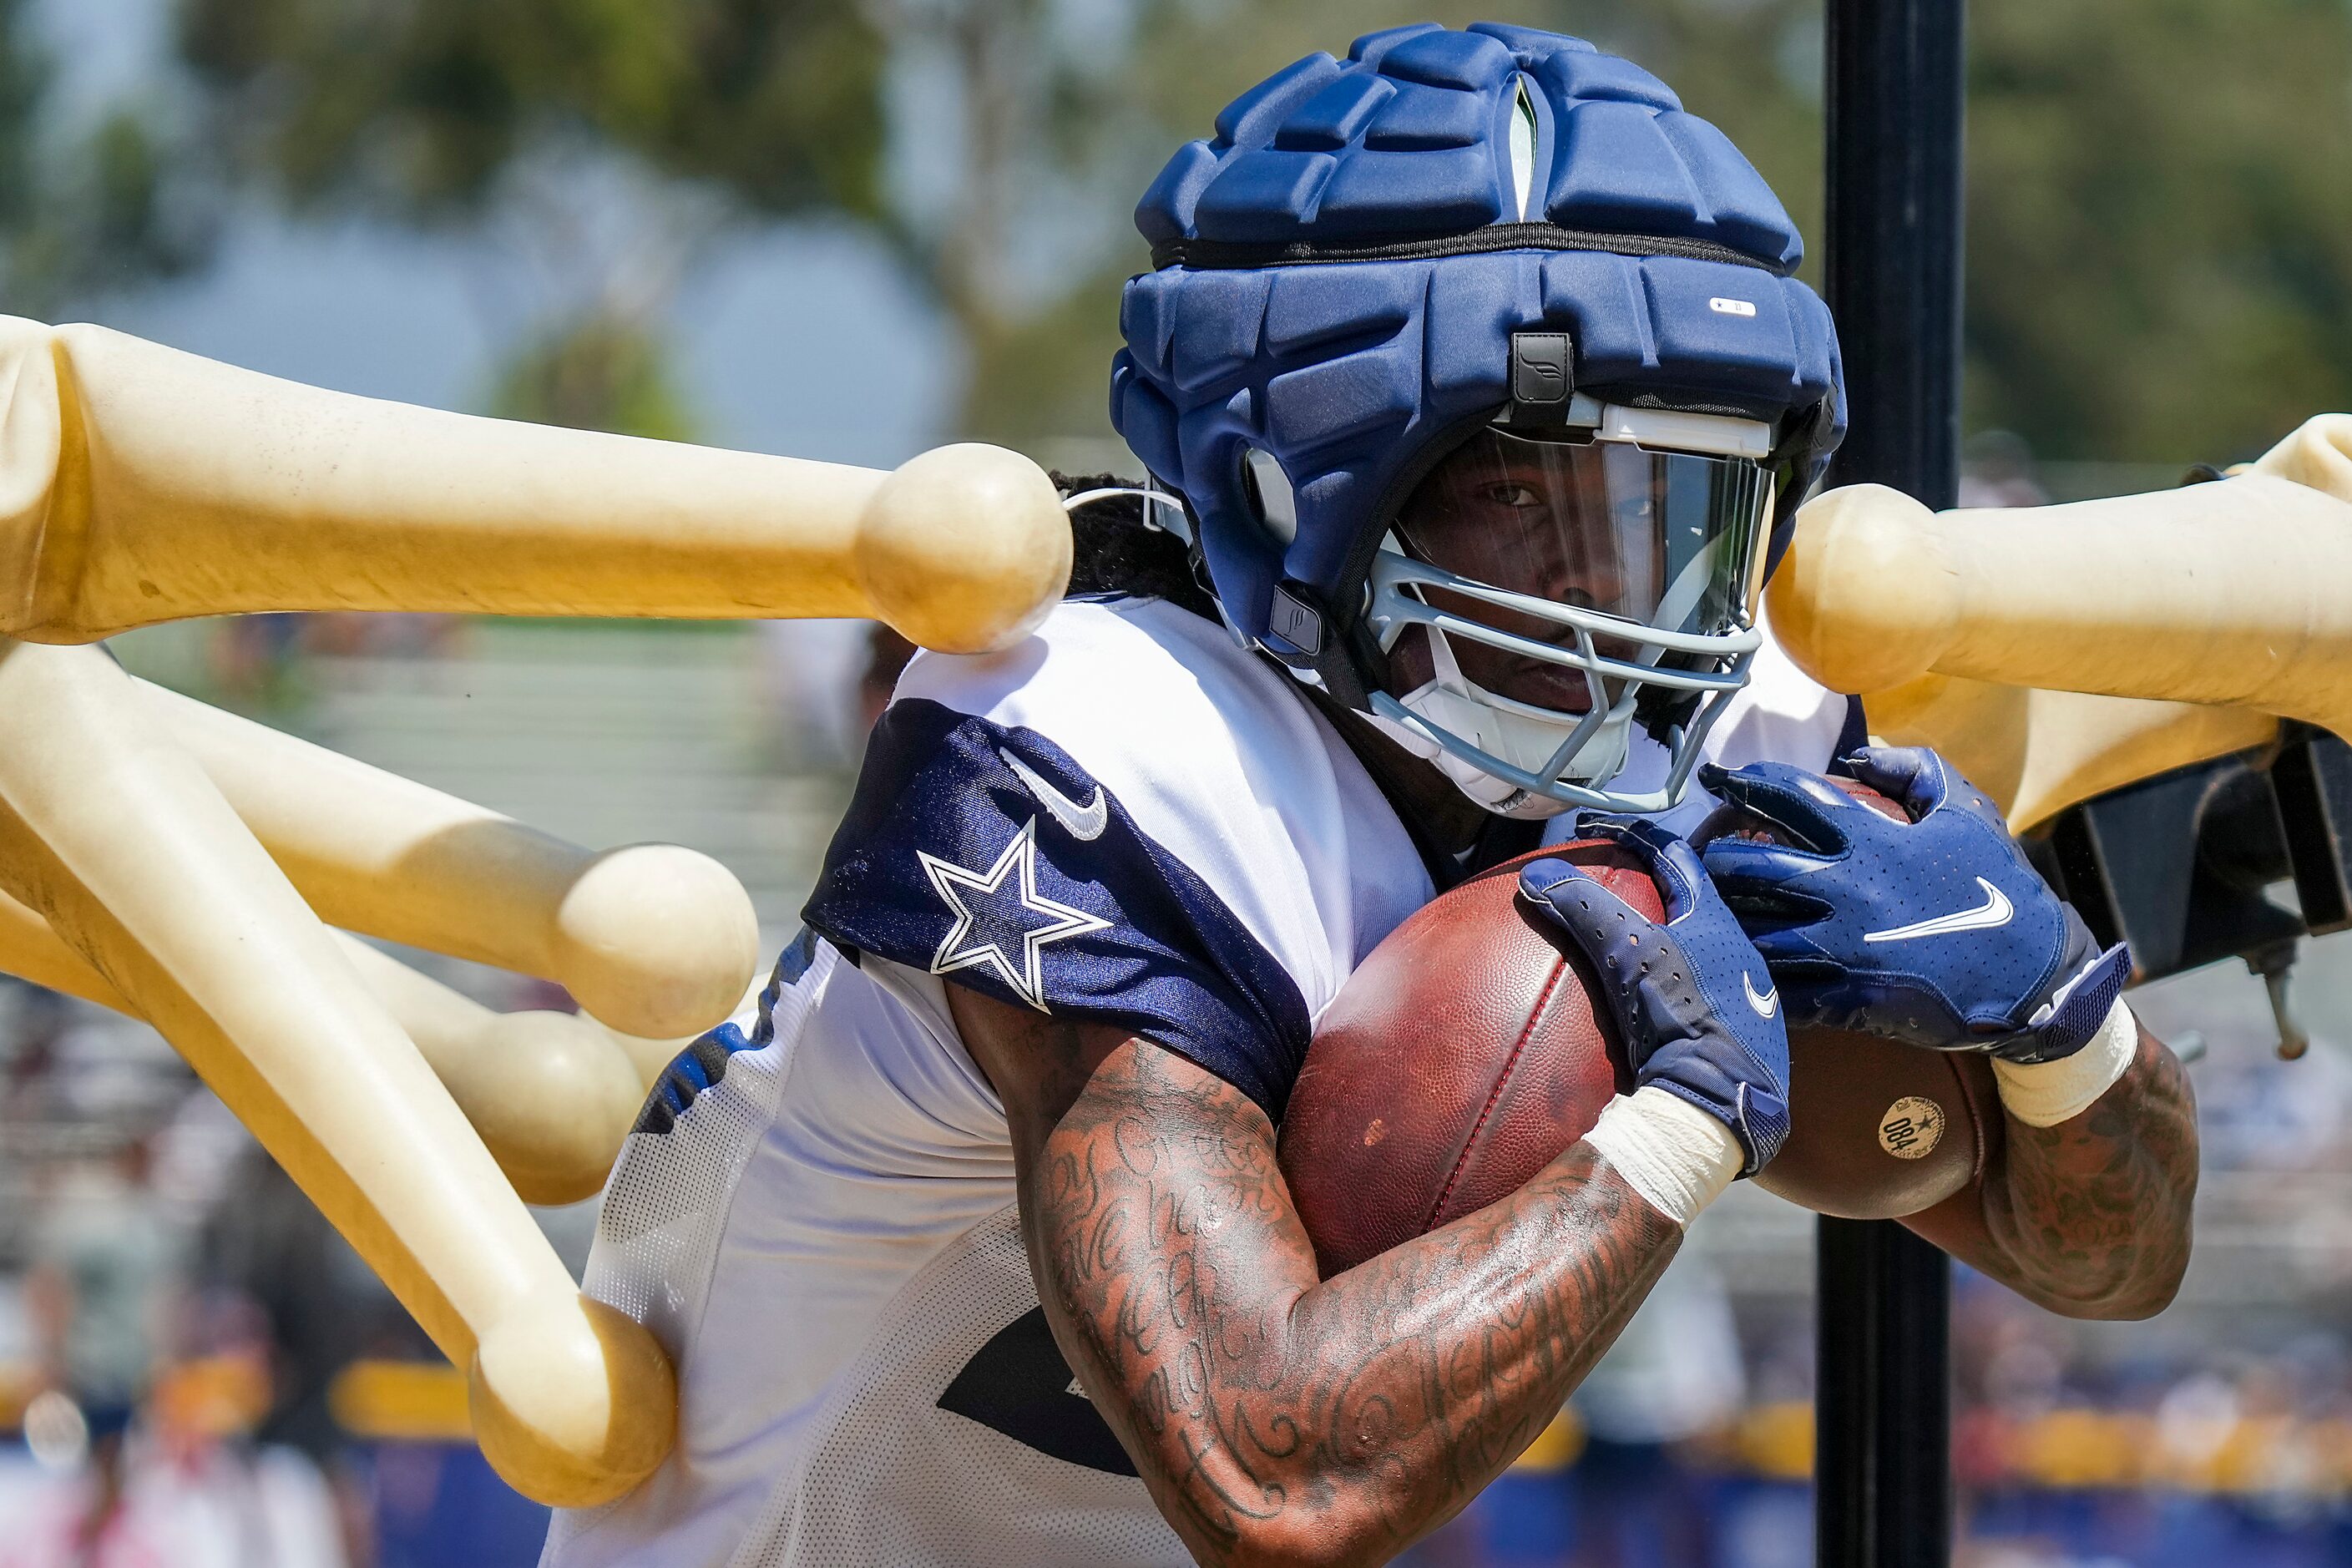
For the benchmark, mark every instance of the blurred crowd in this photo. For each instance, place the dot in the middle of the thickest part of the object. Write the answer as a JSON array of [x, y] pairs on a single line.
[[259, 663], [179, 1327]]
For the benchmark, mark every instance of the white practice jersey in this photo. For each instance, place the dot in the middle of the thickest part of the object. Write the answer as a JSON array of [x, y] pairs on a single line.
[[1125, 820]]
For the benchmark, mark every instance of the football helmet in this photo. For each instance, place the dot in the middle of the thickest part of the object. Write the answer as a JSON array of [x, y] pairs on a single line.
[[1478, 366]]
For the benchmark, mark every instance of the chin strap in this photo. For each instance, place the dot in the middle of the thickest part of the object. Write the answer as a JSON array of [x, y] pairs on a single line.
[[1163, 513]]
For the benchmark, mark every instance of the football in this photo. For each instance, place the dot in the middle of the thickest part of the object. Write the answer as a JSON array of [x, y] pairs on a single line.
[[1467, 1053], [1460, 1058]]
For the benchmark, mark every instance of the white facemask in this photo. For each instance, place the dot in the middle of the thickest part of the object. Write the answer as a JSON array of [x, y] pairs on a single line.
[[1523, 760]]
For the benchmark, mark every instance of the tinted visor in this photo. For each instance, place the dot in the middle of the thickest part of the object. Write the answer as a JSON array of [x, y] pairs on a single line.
[[1665, 540]]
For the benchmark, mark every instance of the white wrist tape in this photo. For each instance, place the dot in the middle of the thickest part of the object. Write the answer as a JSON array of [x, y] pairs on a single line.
[[1669, 1149], [2044, 1094]]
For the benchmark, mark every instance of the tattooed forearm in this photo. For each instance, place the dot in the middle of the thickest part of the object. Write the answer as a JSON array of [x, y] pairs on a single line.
[[1279, 1417], [2091, 1217], [2093, 1213]]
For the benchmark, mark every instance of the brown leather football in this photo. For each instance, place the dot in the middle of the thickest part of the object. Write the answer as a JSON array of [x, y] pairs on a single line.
[[1878, 1130], [1465, 1054], [1460, 1058]]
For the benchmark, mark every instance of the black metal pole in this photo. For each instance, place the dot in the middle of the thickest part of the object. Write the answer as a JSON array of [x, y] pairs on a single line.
[[1883, 1396]]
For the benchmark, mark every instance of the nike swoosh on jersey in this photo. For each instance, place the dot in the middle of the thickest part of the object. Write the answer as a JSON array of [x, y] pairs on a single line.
[[1765, 1004], [1994, 912], [1086, 821]]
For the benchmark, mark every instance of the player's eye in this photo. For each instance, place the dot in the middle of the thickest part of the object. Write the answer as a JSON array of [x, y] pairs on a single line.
[[1512, 494]]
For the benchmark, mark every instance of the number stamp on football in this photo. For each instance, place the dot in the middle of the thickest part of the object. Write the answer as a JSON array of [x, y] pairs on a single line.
[[1911, 1127]]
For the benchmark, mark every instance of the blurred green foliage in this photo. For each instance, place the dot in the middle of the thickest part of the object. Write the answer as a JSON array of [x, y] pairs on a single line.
[[416, 107], [86, 199], [2159, 223], [594, 372], [423, 112]]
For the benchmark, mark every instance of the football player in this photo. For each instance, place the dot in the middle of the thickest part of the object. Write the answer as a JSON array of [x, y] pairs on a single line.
[[1475, 373]]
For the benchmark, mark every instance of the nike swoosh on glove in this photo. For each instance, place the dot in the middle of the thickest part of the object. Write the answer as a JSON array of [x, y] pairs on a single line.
[[1692, 998], [1935, 932]]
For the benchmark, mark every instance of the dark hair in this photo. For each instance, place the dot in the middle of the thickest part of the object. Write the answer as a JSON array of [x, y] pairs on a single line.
[[1113, 551]]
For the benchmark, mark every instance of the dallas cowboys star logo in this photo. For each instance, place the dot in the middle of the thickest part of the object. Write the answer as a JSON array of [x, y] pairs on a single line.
[[993, 920]]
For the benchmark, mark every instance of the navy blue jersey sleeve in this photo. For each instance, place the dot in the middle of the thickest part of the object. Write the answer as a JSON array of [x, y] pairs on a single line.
[[983, 854]]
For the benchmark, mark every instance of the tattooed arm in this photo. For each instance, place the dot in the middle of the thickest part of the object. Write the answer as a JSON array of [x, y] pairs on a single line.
[[1279, 1418], [2090, 1217]]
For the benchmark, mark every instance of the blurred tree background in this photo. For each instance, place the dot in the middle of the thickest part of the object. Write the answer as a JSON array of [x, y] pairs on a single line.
[[80, 190], [2160, 229]]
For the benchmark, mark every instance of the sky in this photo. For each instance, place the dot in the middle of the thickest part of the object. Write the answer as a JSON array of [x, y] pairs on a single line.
[[801, 339]]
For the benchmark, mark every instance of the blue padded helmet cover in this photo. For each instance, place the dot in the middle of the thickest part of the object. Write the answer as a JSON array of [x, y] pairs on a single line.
[[1355, 373]]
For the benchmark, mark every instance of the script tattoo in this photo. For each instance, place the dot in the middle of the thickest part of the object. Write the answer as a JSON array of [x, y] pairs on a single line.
[[1273, 1414], [2090, 1217]]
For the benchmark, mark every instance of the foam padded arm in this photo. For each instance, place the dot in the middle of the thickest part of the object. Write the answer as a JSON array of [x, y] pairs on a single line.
[[139, 484], [2319, 455], [2224, 593], [654, 940], [123, 845], [31, 951], [2036, 753], [552, 1094]]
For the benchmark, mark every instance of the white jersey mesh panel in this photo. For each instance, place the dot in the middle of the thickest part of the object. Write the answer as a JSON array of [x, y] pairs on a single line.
[[666, 1202], [894, 1482]]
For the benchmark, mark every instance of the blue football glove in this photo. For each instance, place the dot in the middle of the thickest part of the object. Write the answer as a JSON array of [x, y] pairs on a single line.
[[1692, 999], [1934, 933]]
